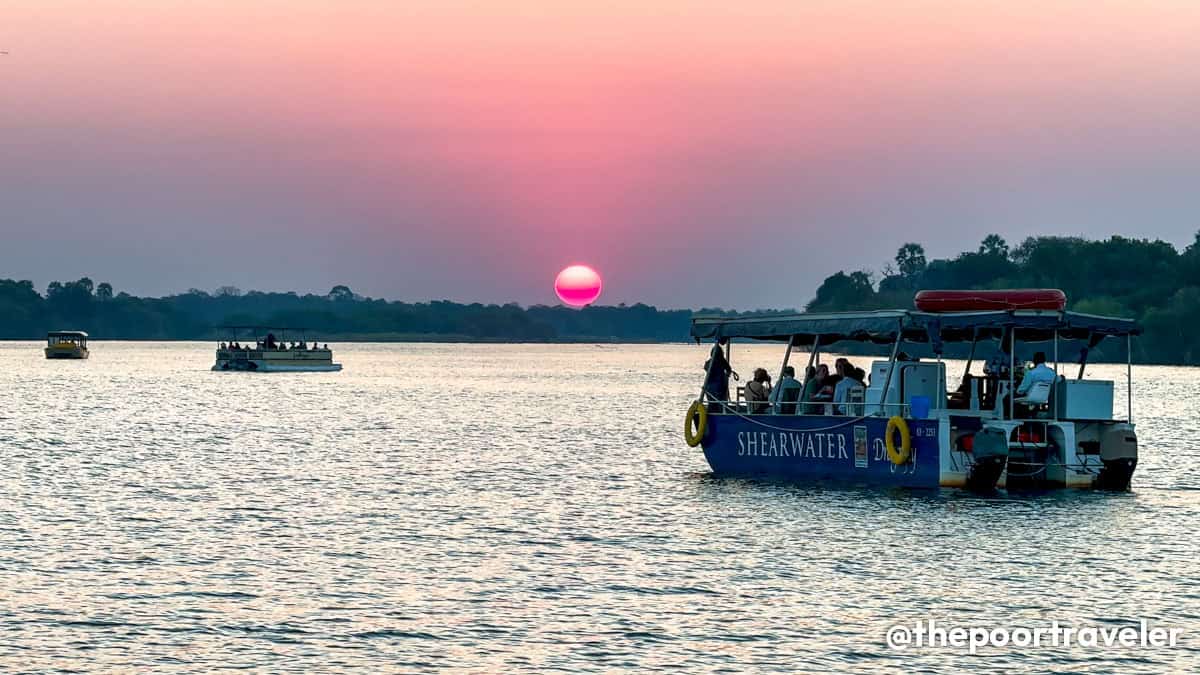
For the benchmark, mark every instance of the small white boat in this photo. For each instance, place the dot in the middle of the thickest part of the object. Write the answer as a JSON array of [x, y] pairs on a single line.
[[67, 344], [269, 354]]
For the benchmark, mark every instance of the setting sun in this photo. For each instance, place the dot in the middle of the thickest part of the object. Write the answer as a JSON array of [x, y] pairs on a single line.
[[578, 285]]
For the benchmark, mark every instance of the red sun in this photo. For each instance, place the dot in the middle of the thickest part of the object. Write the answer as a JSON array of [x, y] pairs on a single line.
[[578, 285]]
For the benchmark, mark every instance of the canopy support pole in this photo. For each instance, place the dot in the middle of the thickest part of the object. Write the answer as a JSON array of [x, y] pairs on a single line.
[[786, 357], [1083, 361], [1012, 374], [1055, 385], [707, 370], [971, 356], [1129, 377], [812, 356], [887, 381]]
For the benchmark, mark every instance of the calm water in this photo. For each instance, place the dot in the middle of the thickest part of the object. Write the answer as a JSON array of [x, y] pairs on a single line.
[[501, 508]]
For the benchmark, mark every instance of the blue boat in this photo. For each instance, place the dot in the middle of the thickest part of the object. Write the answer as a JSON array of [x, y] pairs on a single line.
[[901, 427]]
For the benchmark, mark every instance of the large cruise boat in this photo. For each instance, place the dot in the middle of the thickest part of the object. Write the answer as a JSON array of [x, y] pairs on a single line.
[[900, 426], [271, 354]]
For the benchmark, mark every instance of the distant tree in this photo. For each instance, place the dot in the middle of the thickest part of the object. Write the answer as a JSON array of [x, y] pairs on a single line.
[[341, 293], [104, 291], [994, 245], [54, 289], [910, 259], [843, 291], [85, 284], [198, 292], [228, 292]]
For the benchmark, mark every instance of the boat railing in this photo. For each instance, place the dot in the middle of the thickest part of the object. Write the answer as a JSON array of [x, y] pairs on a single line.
[[742, 407]]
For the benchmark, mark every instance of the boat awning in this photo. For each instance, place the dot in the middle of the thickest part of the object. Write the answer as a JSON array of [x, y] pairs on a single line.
[[878, 326], [883, 326]]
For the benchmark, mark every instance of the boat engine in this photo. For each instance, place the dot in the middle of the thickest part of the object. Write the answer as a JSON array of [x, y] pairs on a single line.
[[991, 455], [1119, 454]]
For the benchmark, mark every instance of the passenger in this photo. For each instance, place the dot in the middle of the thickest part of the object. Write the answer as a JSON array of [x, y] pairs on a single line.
[[716, 381], [822, 392], [851, 379], [810, 389], [786, 393], [758, 392]]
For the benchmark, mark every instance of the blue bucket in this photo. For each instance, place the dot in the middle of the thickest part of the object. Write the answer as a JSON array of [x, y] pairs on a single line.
[[918, 406]]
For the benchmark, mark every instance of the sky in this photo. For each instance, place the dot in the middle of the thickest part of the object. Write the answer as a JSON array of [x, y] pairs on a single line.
[[696, 153]]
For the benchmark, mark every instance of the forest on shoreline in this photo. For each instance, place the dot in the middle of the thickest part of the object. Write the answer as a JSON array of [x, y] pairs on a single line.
[[1149, 280]]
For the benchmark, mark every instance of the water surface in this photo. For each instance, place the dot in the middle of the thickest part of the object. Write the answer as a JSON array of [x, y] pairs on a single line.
[[497, 508]]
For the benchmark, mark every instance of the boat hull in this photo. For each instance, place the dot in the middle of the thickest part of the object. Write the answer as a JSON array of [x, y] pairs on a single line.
[[268, 367], [52, 353], [820, 449]]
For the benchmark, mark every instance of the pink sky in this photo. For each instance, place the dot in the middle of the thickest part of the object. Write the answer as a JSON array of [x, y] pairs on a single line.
[[695, 153]]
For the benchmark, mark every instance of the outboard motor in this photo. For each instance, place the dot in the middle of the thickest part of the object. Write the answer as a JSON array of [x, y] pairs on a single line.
[[1119, 453], [991, 456]]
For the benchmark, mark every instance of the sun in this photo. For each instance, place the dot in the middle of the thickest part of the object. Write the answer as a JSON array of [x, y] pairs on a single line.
[[578, 285]]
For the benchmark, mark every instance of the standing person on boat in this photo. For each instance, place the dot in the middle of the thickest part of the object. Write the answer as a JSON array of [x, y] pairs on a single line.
[[716, 382], [758, 391], [786, 393]]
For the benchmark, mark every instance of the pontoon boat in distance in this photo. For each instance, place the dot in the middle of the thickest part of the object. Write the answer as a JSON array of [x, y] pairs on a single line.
[[264, 352], [1059, 434], [67, 344]]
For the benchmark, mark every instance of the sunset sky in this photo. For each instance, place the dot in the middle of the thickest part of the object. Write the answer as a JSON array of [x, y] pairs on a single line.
[[695, 153]]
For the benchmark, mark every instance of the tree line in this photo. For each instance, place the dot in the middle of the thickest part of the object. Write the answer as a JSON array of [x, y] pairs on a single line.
[[1148, 280], [195, 315]]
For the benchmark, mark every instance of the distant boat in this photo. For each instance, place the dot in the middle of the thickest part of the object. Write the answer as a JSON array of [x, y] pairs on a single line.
[[269, 354], [66, 344]]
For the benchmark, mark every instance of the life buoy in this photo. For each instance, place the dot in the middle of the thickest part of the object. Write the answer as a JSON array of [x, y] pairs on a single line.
[[898, 455], [699, 413]]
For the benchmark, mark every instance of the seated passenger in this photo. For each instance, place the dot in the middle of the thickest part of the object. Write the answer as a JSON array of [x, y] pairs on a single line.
[[1039, 373], [758, 392], [851, 379], [786, 393], [813, 386]]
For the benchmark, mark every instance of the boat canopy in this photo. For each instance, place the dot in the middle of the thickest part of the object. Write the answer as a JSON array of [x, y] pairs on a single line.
[[66, 333], [884, 326]]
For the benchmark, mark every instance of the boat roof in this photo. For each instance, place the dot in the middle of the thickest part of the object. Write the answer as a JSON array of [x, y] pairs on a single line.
[[66, 333], [261, 327], [883, 326]]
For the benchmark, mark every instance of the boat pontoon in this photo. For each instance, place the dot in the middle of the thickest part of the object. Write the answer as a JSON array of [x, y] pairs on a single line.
[[905, 429], [263, 352]]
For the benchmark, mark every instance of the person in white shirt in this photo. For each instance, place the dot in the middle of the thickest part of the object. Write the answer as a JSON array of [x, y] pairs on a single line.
[[852, 378], [1039, 373]]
